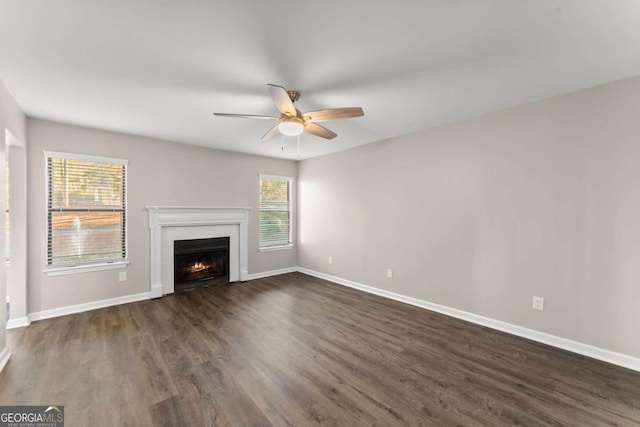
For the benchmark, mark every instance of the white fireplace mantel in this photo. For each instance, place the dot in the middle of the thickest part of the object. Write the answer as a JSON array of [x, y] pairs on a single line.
[[170, 223]]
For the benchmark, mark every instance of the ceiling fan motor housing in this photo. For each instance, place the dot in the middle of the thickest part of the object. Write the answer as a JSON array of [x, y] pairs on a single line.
[[294, 95]]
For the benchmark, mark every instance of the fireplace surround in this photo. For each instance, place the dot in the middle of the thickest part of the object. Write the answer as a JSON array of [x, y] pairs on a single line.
[[170, 223]]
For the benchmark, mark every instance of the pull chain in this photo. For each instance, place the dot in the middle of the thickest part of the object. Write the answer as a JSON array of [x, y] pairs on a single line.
[[282, 144]]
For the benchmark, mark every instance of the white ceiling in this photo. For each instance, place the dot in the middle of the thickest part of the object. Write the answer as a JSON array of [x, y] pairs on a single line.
[[160, 68]]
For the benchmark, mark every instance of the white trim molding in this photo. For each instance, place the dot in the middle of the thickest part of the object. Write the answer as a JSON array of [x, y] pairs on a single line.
[[94, 305], [270, 273], [19, 322], [276, 248], [62, 271], [604, 355], [90, 158], [5, 355], [80, 308], [163, 219], [593, 352]]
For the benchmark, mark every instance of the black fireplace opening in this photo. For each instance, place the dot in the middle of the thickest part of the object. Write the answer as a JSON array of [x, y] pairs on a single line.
[[198, 263]]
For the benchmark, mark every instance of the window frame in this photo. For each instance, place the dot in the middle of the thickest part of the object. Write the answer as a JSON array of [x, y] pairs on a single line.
[[291, 199], [58, 270]]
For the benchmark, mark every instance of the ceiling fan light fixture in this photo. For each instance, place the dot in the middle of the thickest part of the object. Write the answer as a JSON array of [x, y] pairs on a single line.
[[290, 127]]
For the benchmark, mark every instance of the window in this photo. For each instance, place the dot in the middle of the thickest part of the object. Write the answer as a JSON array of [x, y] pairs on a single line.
[[86, 210], [275, 211]]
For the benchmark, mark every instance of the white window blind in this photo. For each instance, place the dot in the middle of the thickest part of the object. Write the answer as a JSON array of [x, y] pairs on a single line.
[[275, 211], [86, 209]]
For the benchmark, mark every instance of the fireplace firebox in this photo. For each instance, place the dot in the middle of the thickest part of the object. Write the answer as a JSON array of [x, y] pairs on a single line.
[[198, 263]]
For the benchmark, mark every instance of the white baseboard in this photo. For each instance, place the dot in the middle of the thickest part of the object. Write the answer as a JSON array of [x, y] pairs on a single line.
[[155, 293], [609, 356], [5, 355], [272, 273], [79, 308], [19, 322]]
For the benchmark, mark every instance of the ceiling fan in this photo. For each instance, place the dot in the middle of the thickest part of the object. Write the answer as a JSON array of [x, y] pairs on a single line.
[[292, 122]]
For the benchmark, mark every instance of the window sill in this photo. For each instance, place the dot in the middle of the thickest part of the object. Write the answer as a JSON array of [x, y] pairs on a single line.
[[61, 271], [276, 248]]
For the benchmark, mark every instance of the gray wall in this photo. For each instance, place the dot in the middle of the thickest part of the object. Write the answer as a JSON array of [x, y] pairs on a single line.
[[481, 215], [159, 173], [13, 120]]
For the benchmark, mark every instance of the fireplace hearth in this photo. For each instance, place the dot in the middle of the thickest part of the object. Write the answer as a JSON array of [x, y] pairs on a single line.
[[200, 263]]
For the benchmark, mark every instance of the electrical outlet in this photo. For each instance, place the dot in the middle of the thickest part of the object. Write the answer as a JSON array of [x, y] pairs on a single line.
[[389, 273], [538, 303], [122, 276], [330, 260]]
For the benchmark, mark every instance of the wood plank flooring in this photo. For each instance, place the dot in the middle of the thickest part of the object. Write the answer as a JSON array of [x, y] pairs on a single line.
[[294, 350]]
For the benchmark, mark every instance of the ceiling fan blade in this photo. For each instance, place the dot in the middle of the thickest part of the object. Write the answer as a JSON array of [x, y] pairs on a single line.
[[246, 116], [320, 131], [281, 99], [272, 133], [333, 114]]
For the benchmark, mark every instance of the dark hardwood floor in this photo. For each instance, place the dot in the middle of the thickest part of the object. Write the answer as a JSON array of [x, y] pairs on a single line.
[[295, 350]]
